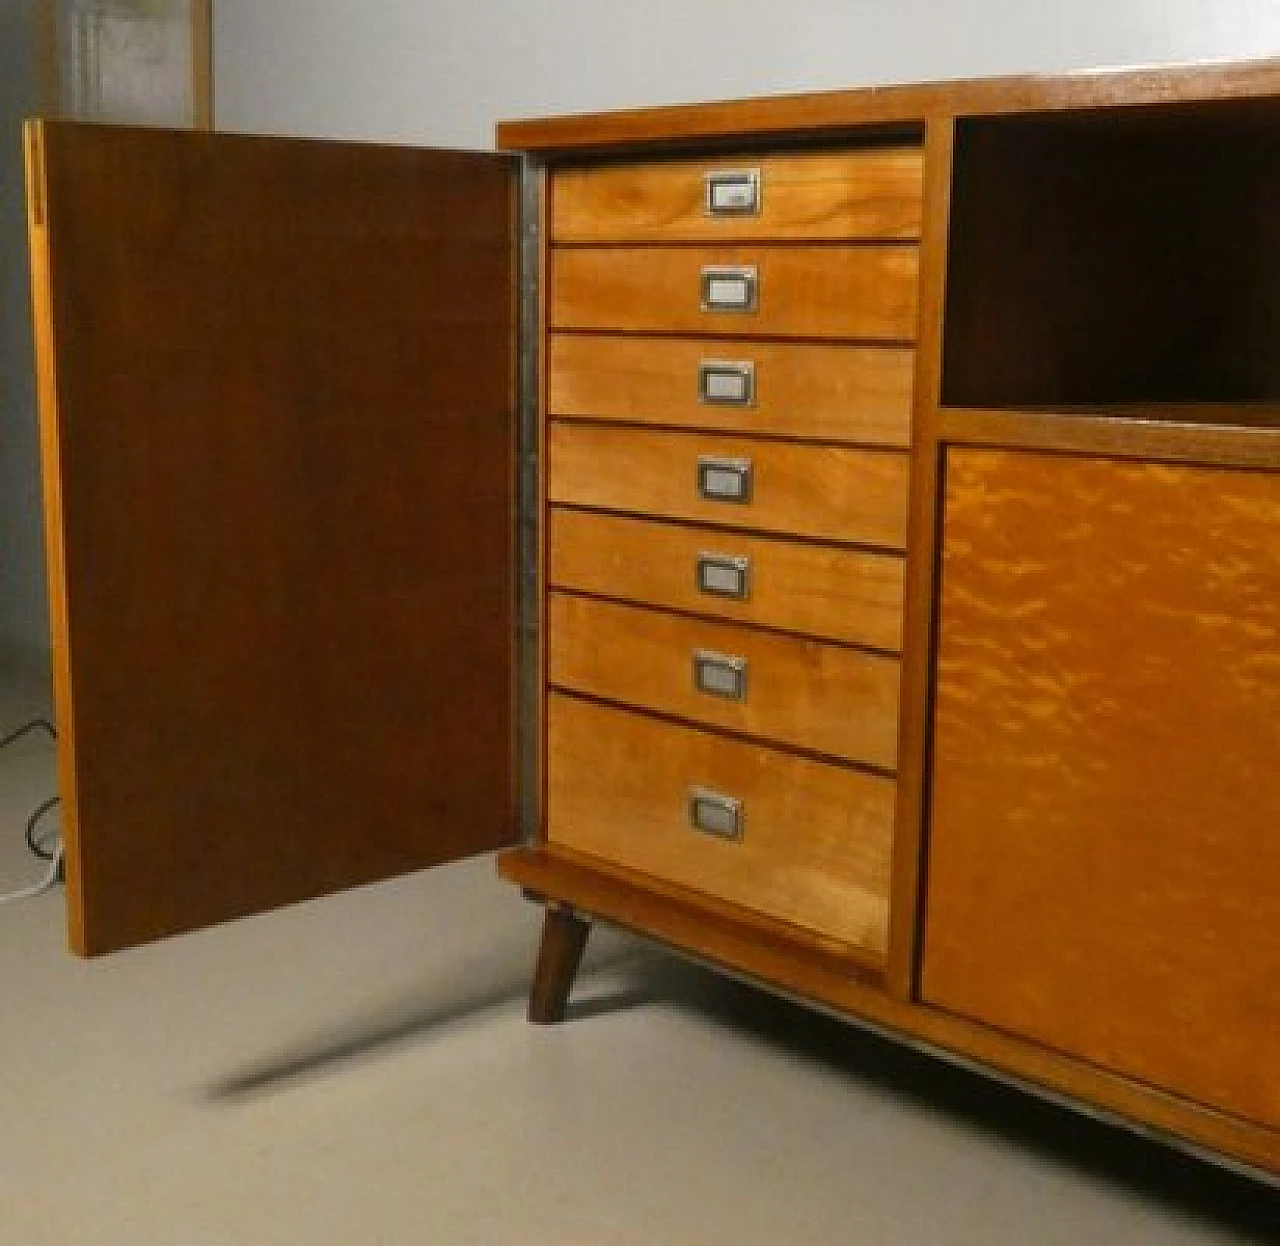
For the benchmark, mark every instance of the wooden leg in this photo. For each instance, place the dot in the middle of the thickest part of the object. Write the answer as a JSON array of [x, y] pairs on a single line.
[[564, 937]]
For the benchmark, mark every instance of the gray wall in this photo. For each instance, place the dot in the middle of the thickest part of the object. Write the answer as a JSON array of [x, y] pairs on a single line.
[[442, 71], [23, 613]]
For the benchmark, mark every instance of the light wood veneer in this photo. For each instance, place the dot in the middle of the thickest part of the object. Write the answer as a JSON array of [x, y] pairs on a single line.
[[815, 844], [1103, 857], [825, 591], [830, 493], [854, 292], [855, 394], [825, 698], [868, 193]]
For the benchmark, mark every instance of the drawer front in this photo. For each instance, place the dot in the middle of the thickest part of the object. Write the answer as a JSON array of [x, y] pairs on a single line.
[[872, 193], [858, 394], [859, 496], [831, 700], [866, 292], [796, 840], [820, 590]]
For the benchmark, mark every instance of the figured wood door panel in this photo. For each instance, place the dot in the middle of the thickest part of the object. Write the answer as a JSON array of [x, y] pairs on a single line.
[[278, 462], [1103, 852]]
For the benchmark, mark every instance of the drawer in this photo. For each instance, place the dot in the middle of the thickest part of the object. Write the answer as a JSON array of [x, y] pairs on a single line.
[[875, 192], [800, 841], [805, 693], [828, 492], [866, 292], [859, 394], [821, 590]]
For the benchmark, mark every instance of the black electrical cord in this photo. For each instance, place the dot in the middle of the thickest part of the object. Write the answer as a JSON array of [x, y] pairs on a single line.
[[35, 844], [36, 724]]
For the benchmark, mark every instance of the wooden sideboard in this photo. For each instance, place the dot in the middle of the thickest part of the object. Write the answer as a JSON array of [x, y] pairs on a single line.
[[837, 536]]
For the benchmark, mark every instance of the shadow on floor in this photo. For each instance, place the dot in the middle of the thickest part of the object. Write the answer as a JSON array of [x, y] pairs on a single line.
[[355, 1039], [642, 977], [1105, 1153]]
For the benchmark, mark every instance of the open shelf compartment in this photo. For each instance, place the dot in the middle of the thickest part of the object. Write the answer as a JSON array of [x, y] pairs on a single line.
[[1117, 259]]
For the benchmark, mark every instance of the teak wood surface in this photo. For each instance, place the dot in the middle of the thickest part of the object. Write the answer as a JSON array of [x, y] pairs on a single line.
[[809, 969], [897, 109], [815, 843], [922, 533], [564, 939], [809, 391], [1103, 855], [826, 591], [825, 492], [827, 699], [278, 457], [870, 193], [832, 292]]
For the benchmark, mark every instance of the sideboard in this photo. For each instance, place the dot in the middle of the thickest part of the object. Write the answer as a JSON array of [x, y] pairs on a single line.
[[836, 536]]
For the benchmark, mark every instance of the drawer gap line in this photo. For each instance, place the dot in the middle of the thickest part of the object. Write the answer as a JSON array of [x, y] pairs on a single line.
[[701, 430], [721, 620], [728, 733], [792, 538]]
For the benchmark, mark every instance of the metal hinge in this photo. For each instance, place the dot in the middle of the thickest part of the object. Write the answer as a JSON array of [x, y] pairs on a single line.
[[529, 328]]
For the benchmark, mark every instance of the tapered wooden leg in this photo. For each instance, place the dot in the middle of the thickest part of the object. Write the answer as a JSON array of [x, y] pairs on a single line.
[[564, 937]]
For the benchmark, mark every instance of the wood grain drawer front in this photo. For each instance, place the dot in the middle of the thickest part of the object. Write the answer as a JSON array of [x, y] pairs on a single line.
[[870, 193], [852, 292], [837, 494], [857, 394], [813, 840], [820, 590], [831, 700]]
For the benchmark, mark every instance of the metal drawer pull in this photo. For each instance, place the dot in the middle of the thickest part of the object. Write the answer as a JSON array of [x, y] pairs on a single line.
[[732, 192], [723, 575], [720, 675], [724, 480], [713, 814], [733, 289], [725, 384]]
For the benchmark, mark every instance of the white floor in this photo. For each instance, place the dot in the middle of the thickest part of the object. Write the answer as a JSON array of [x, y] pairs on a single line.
[[358, 1071]]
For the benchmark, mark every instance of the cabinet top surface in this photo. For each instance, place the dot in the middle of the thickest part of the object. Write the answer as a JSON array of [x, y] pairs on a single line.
[[895, 106]]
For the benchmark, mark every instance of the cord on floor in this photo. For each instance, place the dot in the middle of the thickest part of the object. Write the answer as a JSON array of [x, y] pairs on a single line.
[[47, 883], [39, 844], [36, 724]]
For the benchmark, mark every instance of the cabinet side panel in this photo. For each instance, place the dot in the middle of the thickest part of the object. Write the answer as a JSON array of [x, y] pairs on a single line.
[[1103, 848]]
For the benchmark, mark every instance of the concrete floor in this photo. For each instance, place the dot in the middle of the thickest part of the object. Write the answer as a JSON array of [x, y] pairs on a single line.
[[358, 1071]]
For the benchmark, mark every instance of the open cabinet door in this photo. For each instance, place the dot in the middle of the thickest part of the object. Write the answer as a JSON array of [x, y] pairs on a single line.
[[276, 389]]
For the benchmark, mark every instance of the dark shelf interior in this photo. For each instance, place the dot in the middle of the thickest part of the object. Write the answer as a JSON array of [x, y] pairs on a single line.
[[1119, 256]]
